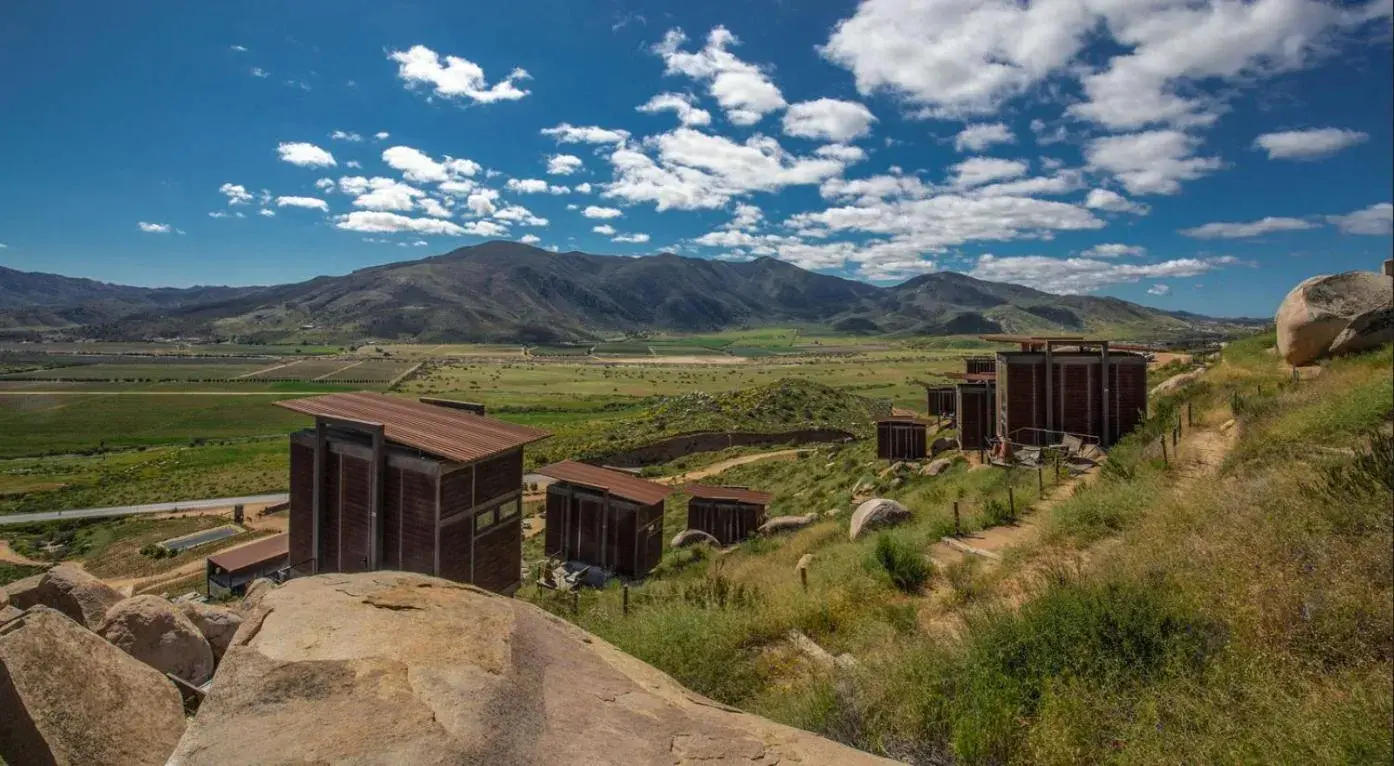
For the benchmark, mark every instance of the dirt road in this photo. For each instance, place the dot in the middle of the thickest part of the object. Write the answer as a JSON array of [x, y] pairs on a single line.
[[725, 465]]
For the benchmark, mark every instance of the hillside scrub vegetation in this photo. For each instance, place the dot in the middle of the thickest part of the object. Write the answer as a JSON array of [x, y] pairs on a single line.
[[1229, 604]]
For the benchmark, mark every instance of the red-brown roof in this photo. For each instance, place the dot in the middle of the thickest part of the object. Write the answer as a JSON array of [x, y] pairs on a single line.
[[617, 483], [734, 494], [253, 554], [442, 431]]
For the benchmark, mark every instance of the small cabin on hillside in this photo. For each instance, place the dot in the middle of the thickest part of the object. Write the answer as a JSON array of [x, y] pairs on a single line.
[[229, 572], [1075, 387], [979, 365], [941, 401], [605, 518], [383, 482], [901, 438], [974, 406], [730, 514]]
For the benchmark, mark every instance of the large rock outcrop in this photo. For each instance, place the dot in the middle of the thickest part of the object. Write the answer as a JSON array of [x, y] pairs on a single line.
[[1321, 309], [155, 632], [218, 624], [877, 512], [24, 593], [68, 697], [786, 523], [398, 668], [1176, 383], [693, 537], [77, 594]]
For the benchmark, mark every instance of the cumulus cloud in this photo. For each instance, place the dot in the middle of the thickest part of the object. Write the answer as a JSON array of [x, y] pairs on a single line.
[[742, 89], [1159, 290], [1308, 144], [381, 193], [380, 222], [1113, 250], [238, 48], [341, 135], [583, 188], [1072, 276], [259, 72], [595, 211], [638, 238], [681, 104], [266, 213], [416, 165], [305, 155], [976, 138], [311, 203], [1269, 225], [486, 229], [519, 215], [843, 153], [381, 135], [481, 202], [828, 119], [154, 228], [529, 239], [1113, 202], [976, 171], [1152, 162], [533, 186], [603, 228], [236, 194], [1375, 220], [566, 133], [563, 164], [454, 77]]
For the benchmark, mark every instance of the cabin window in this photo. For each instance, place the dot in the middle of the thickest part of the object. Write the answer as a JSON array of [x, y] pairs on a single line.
[[485, 519]]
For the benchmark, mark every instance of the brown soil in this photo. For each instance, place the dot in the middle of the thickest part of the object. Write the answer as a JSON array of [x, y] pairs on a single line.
[[725, 465], [10, 556]]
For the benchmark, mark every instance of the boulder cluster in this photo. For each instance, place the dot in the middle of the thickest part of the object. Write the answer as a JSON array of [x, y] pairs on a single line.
[[1335, 314]]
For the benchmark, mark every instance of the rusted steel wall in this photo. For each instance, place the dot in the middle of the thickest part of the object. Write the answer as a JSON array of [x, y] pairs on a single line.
[[355, 522], [455, 539], [418, 508], [498, 476], [302, 499], [1021, 399], [974, 416], [329, 526], [605, 531], [554, 532], [728, 522], [498, 554], [977, 365], [901, 441], [1128, 395], [940, 400], [1076, 401]]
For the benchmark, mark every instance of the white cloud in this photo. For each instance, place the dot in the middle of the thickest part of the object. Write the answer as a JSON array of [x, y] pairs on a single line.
[[1222, 230], [694, 170], [632, 238], [593, 211], [340, 135], [311, 203], [683, 105], [325, 184], [305, 155], [520, 215], [566, 133], [976, 171], [433, 207], [1072, 276], [217, 214], [381, 193], [843, 153], [1113, 250], [976, 138], [1063, 182], [583, 188], [154, 228], [379, 222], [603, 228], [1159, 290], [870, 190], [486, 229], [456, 77], [382, 135], [259, 72], [353, 164], [267, 213], [416, 165], [236, 194], [238, 48], [533, 186], [742, 89], [1308, 144], [563, 164], [828, 119], [529, 239], [481, 202], [745, 217], [1375, 220], [1152, 162], [1113, 202]]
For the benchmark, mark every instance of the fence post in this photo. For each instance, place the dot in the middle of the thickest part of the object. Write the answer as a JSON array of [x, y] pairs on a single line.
[[1164, 451], [1234, 402], [626, 601], [1190, 419], [958, 530], [1057, 466], [1040, 479], [575, 601], [803, 578], [1011, 502]]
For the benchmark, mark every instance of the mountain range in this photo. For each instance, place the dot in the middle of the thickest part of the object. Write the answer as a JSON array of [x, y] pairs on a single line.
[[511, 292]]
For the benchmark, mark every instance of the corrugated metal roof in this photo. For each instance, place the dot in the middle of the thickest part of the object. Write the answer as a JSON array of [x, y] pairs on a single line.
[[442, 431], [253, 554], [735, 494], [617, 483], [913, 419]]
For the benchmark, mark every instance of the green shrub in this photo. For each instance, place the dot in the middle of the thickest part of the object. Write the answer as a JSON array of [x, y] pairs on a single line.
[[907, 569], [997, 512]]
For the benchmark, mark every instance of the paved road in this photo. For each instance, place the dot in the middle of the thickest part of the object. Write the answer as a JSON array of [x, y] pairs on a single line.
[[132, 510]]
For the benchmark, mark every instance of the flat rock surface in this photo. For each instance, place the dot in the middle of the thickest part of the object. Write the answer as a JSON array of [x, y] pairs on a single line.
[[397, 668], [68, 697], [218, 624]]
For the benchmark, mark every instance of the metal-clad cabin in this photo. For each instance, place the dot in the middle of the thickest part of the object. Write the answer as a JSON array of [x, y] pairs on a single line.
[[1085, 389], [605, 518], [730, 514], [941, 400], [389, 483], [975, 405], [901, 438], [230, 572], [979, 365]]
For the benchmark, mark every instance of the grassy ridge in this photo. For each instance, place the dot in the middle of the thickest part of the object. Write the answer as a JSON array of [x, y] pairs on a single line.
[[1240, 617]]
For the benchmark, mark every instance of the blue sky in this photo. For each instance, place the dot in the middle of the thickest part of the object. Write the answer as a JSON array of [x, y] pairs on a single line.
[[1201, 155]]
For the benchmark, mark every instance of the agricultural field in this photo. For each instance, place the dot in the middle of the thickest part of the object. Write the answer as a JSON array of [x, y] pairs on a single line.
[[341, 369], [166, 349]]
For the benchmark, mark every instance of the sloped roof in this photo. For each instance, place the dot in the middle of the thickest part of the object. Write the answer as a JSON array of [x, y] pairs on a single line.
[[734, 494], [617, 483], [449, 433], [253, 554]]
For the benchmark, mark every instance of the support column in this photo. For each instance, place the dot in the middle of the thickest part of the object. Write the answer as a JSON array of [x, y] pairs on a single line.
[[376, 488], [1107, 441], [317, 502]]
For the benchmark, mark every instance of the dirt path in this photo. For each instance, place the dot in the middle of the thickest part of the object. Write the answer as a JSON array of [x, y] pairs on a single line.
[[724, 465], [10, 556]]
